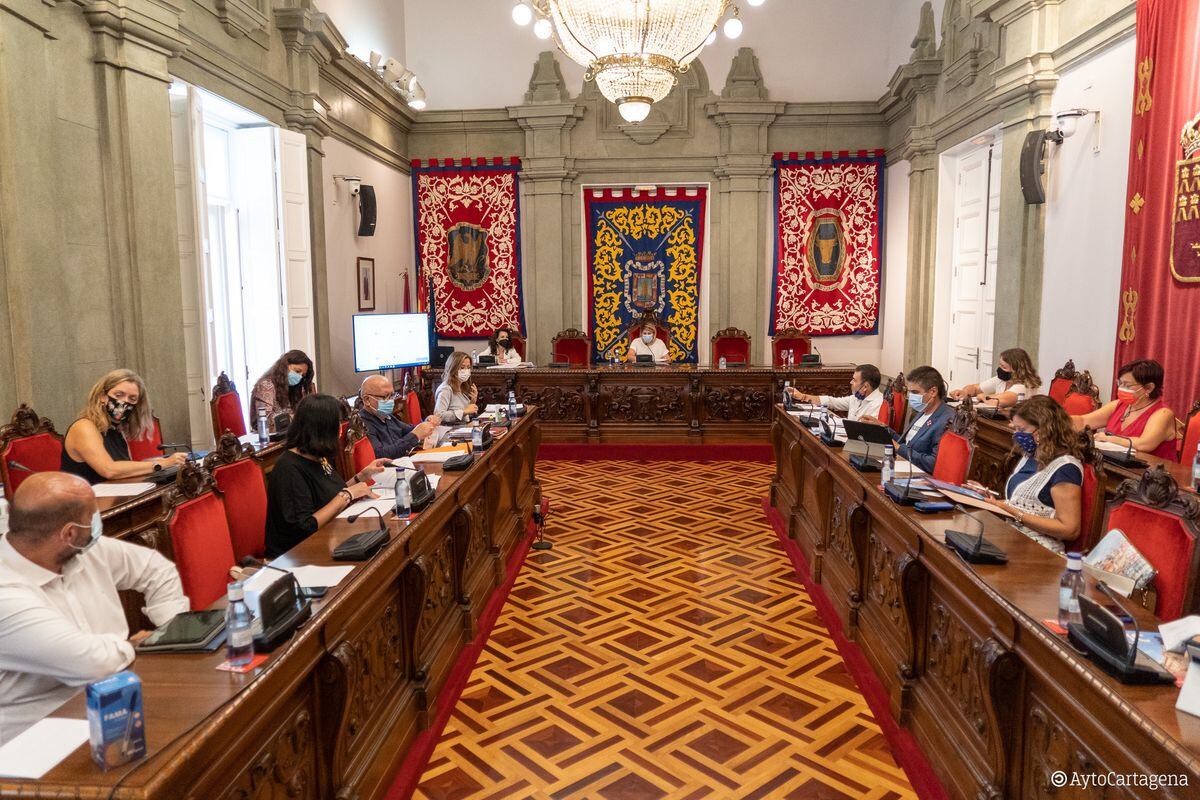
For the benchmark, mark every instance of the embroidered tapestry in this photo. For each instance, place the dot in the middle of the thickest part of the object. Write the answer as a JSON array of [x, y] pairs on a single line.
[[828, 243], [468, 238], [644, 252]]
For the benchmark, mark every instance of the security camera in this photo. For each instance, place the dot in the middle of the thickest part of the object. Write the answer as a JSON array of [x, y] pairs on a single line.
[[392, 71]]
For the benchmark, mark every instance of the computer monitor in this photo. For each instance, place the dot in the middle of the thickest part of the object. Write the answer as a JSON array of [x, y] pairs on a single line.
[[390, 341]]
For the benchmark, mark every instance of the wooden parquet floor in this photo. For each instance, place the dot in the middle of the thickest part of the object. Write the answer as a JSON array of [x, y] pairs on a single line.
[[663, 649]]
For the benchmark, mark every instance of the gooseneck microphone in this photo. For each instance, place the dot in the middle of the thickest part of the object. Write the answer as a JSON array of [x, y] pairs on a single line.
[[382, 523]]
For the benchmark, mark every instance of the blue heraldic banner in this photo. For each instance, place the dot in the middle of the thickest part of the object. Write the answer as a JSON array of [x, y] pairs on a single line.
[[644, 251]]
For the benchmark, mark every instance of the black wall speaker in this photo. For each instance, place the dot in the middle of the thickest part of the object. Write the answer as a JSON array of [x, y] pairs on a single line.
[[1032, 167], [366, 210]]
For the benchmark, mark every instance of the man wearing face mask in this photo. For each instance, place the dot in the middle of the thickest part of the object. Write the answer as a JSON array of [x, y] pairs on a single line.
[[648, 344], [864, 402], [61, 620], [390, 437], [926, 397]]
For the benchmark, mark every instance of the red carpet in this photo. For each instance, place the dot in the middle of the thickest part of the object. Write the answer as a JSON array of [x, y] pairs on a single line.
[[908, 753], [656, 452]]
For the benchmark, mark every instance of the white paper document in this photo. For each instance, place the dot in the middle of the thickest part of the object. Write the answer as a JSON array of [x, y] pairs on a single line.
[[437, 458], [311, 575], [384, 504], [40, 747], [122, 489], [906, 468]]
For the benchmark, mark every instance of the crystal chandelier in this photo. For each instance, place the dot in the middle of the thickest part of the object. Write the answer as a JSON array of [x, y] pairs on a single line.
[[635, 50]]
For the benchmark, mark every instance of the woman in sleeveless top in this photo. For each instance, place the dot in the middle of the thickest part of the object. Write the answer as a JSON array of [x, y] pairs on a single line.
[[281, 388], [96, 447], [1045, 491], [1138, 415]]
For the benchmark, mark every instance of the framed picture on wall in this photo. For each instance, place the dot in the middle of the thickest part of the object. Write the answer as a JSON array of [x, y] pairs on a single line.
[[366, 284]]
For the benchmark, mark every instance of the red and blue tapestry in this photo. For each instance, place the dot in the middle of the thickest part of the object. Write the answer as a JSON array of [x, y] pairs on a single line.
[[828, 243], [467, 217], [644, 251]]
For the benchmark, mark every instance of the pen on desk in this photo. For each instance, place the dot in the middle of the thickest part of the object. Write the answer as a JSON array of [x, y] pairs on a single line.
[[125, 740]]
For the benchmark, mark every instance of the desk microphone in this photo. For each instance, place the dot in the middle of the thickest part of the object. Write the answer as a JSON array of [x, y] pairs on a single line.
[[382, 523], [19, 466], [1130, 656], [973, 548]]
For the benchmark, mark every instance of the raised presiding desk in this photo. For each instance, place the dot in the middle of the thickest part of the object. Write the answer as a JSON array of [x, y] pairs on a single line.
[[664, 404], [997, 701], [333, 710]]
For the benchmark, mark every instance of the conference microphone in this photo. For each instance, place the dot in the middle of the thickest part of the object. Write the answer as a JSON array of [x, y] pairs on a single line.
[[19, 466], [973, 548], [382, 524], [362, 546], [1137, 630]]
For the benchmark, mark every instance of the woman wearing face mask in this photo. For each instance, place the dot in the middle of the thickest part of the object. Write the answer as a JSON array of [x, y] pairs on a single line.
[[96, 447], [1138, 415], [1015, 376], [455, 398], [926, 395], [648, 344], [283, 386], [1045, 492], [501, 346]]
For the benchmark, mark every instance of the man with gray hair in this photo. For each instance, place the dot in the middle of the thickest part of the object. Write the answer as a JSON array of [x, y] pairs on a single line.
[[390, 437], [61, 621]]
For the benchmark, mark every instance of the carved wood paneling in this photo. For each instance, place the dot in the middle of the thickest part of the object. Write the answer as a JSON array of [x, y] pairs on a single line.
[[883, 580], [555, 403], [952, 661], [285, 766], [737, 403], [1051, 747], [644, 403]]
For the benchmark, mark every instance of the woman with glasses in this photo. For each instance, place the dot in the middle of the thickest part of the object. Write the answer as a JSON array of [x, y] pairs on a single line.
[[96, 447], [1138, 418], [390, 436]]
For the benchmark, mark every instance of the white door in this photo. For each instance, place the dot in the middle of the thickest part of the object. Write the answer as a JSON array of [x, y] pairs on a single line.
[[297, 243], [973, 277]]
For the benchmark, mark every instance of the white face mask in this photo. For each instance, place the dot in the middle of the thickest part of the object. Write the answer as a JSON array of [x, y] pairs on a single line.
[[648, 338], [97, 531], [464, 375]]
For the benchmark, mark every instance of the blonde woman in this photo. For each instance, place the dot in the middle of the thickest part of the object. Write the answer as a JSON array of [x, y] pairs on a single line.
[[96, 447], [455, 398], [1015, 376]]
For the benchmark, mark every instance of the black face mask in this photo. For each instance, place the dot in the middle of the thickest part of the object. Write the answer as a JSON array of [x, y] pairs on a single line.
[[502, 342], [1003, 374], [117, 410]]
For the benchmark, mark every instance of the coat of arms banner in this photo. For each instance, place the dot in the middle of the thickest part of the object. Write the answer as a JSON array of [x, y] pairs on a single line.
[[828, 243], [644, 251], [468, 237]]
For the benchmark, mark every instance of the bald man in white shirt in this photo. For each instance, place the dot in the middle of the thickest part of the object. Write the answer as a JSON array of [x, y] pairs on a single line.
[[61, 620]]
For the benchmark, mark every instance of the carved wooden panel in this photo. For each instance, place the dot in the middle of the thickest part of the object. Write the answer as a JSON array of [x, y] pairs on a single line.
[[439, 591], [952, 660], [1050, 748], [645, 403], [883, 580], [285, 766], [555, 404], [737, 403], [839, 532]]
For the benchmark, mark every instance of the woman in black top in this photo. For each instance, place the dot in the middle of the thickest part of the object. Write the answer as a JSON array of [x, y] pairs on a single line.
[[96, 447], [304, 490]]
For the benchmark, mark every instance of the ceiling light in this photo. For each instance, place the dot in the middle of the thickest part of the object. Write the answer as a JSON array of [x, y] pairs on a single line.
[[542, 29], [733, 27], [634, 109], [522, 14]]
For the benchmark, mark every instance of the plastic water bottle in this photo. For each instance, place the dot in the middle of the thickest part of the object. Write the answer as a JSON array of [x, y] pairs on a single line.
[[1196, 471], [1069, 589], [475, 357], [239, 637], [477, 438], [403, 496], [264, 436], [888, 471], [3, 512], [1020, 398], [787, 395], [512, 404], [722, 362]]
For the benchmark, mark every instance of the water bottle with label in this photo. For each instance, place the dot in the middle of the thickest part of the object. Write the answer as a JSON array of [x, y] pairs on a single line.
[[403, 496], [787, 395], [476, 438], [1069, 589], [474, 357], [887, 472], [512, 405], [239, 636], [264, 435], [723, 362], [1020, 398]]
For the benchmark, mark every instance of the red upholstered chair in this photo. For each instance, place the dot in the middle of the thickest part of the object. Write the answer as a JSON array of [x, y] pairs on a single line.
[[1091, 517], [895, 400], [1060, 387], [1083, 397], [660, 329], [733, 344], [571, 346], [199, 535], [226, 408], [359, 451], [957, 446], [32, 443], [149, 446], [518, 343], [412, 404], [1163, 524], [240, 481], [1191, 435], [789, 339]]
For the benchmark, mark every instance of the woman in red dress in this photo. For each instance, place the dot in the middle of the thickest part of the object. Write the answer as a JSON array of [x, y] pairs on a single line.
[[1138, 415]]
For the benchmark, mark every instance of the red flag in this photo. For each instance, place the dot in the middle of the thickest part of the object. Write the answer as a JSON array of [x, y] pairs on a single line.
[[407, 302]]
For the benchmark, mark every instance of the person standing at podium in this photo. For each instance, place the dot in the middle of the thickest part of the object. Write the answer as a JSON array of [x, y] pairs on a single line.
[[648, 344]]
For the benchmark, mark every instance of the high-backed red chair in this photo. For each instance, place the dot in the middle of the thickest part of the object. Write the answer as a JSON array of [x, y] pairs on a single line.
[[518, 343], [149, 446], [1083, 396], [28, 444], [895, 400], [1060, 387], [732, 344], [1191, 435], [226, 408], [359, 451], [240, 481], [660, 329], [199, 535], [957, 446], [571, 346], [789, 339], [1163, 523], [412, 405]]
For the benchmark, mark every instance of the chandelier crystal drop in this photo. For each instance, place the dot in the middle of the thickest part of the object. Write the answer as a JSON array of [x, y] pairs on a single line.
[[635, 50]]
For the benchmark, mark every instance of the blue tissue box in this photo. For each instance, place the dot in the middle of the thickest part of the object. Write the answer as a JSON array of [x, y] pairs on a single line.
[[115, 720]]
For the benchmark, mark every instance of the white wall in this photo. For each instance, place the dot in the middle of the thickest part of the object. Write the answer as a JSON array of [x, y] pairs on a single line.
[[391, 247], [895, 266], [369, 25], [1085, 212]]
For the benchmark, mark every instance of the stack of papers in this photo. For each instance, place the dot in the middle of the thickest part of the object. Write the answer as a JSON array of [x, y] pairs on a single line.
[[40, 747], [122, 489], [311, 576]]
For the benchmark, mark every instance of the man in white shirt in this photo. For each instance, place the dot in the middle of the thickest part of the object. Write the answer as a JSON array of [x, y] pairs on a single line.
[[861, 405], [648, 344], [61, 620]]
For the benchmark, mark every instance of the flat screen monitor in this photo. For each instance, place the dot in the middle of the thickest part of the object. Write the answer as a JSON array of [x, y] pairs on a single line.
[[390, 341]]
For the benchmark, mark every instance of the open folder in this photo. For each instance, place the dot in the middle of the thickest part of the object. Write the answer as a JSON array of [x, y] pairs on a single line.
[[439, 454]]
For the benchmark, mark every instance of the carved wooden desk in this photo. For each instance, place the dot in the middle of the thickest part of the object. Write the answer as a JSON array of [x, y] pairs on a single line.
[[997, 702], [333, 710], [650, 404]]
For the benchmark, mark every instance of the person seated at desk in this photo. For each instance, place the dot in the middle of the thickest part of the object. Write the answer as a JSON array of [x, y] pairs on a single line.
[[304, 490], [283, 386], [1015, 376], [454, 400], [1138, 415], [862, 404], [96, 447], [389, 435], [1045, 491], [926, 397], [62, 624], [500, 346], [648, 344]]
